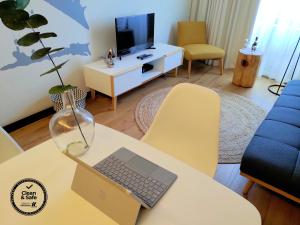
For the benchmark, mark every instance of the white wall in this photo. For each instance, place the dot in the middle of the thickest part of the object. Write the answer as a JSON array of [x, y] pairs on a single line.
[[23, 92]]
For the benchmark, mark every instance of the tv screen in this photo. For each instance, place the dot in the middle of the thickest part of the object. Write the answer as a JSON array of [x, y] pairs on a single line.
[[134, 33]]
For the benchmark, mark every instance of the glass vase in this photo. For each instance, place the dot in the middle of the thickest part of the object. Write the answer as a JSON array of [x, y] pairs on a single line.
[[72, 128]]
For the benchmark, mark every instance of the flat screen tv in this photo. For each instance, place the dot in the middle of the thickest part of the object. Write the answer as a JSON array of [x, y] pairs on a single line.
[[134, 33]]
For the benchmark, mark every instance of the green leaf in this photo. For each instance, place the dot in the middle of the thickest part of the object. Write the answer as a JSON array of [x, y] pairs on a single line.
[[6, 6], [21, 4], [55, 68], [48, 35], [60, 89], [29, 39], [36, 21], [40, 53], [56, 50], [15, 19]]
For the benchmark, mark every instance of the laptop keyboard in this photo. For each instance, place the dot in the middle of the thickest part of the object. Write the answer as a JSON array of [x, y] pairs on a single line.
[[146, 188]]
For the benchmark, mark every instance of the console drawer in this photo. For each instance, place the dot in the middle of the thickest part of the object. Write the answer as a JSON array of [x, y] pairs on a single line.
[[173, 61], [127, 81]]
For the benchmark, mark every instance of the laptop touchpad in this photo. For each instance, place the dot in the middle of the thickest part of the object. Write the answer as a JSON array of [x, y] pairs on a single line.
[[142, 166]]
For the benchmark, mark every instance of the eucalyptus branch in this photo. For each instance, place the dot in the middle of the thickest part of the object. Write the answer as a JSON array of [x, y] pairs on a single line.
[[73, 110], [50, 58], [60, 78]]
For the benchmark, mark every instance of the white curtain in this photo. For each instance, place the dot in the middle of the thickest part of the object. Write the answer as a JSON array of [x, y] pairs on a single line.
[[278, 28], [229, 23]]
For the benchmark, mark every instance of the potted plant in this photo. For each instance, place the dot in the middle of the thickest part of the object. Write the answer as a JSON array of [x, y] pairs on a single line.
[[73, 128], [55, 96]]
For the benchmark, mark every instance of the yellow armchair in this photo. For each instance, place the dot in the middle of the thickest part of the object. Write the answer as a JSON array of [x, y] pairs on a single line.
[[192, 37]]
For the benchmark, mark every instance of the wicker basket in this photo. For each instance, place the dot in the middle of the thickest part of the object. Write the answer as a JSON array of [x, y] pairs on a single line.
[[79, 95]]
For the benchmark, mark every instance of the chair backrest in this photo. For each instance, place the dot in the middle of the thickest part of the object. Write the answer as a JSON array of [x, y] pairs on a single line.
[[191, 33], [187, 126], [8, 147]]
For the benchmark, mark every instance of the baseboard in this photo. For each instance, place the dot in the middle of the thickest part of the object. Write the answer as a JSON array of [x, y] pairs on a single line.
[[31, 119], [28, 120]]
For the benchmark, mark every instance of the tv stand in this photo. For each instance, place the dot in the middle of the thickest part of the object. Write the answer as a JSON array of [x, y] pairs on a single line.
[[127, 73]]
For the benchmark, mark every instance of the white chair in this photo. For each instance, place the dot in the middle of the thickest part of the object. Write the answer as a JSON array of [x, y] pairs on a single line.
[[187, 127], [8, 147]]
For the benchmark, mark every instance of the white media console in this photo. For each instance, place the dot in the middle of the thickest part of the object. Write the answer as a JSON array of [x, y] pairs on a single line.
[[127, 73]]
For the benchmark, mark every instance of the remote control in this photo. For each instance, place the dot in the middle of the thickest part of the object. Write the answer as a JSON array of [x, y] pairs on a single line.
[[144, 56]]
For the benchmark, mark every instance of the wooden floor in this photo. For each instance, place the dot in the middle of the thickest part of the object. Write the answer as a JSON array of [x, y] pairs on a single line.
[[274, 209]]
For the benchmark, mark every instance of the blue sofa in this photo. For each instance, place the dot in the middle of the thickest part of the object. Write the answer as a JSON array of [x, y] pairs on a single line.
[[272, 158]]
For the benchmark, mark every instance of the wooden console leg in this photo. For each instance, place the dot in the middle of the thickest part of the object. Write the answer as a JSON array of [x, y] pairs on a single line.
[[247, 187], [176, 72], [93, 94], [114, 103]]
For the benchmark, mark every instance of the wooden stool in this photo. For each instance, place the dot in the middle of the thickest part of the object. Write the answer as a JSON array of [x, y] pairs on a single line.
[[246, 68]]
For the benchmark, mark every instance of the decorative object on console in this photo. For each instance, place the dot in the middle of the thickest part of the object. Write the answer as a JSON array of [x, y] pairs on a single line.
[[110, 57], [239, 119], [79, 97], [64, 127], [14, 17]]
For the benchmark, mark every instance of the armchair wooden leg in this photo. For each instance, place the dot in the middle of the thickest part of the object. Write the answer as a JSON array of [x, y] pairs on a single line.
[[247, 188], [221, 62], [190, 68]]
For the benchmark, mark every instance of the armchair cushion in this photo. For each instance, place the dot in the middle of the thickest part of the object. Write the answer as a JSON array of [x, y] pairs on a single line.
[[202, 52]]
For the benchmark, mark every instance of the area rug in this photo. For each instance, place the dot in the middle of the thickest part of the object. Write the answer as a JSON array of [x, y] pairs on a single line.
[[240, 118]]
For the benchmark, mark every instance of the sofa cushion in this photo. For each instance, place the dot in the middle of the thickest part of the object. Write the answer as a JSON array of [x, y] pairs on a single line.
[[285, 115], [280, 132], [288, 102], [293, 88]]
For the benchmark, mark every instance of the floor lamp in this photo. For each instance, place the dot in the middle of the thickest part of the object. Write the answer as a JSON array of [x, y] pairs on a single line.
[[281, 85]]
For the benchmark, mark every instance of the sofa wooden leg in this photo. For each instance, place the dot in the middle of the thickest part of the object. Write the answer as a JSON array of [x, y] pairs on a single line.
[[247, 188], [190, 68]]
